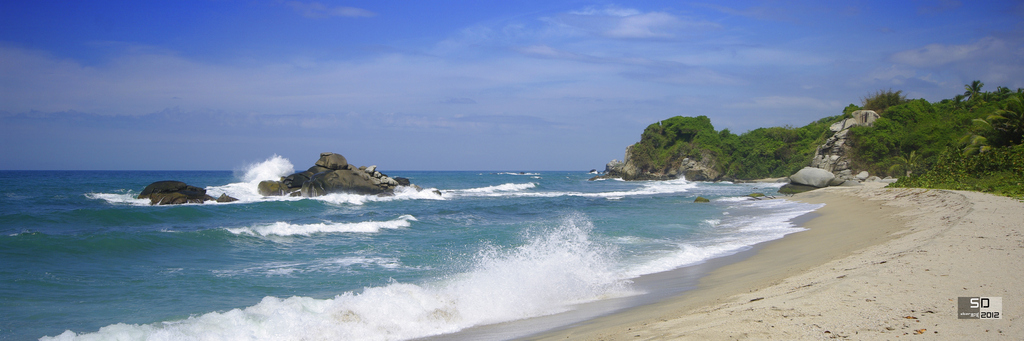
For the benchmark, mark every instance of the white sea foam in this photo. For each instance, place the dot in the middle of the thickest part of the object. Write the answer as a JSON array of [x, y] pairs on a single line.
[[513, 173], [400, 193], [522, 190], [508, 187], [127, 198], [548, 274], [281, 228], [330, 265], [731, 234]]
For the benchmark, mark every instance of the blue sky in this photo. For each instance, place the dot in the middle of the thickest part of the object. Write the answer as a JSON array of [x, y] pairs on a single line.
[[458, 85]]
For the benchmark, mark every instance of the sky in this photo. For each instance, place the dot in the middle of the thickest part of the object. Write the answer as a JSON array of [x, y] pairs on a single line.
[[458, 85]]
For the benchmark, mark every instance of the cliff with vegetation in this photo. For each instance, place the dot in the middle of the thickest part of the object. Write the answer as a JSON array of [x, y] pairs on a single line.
[[971, 141]]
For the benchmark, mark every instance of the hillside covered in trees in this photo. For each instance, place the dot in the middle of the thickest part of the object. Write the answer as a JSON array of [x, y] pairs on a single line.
[[971, 141]]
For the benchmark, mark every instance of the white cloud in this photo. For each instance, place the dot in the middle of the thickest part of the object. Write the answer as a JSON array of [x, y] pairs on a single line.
[[610, 11], [628, 23], [648, 25], [319, 10], [786, 102], [940, 54]]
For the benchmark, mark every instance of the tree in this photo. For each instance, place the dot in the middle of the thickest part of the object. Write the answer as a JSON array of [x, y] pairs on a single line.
[[908, 163], [958, 102], [1009, 121], [973, 90]]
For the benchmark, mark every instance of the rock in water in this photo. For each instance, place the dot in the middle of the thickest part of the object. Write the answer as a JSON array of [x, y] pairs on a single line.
[[701, 199], [272, 188], [173, 193], [225, 198], [342, 180], [332, 161], [811, 176]]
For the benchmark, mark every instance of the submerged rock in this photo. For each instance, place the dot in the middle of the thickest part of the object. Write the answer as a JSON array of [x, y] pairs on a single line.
[[701, 199]]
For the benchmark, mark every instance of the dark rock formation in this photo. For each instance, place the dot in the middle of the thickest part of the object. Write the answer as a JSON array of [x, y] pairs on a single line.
[[701, 199], [225, 198], [333, 174], [173, 193], [342, 180]]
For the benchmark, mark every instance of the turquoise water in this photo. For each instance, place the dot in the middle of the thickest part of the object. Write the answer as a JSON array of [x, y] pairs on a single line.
[[81, 258]]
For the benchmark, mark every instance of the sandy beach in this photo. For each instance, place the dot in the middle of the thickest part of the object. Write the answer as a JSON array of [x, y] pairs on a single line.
[[874, 264]]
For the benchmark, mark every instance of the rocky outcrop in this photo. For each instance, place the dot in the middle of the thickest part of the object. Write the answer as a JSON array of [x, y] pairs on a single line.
[[697, 170], [694, 169], [174, 193], [333, 174], [832, 156]]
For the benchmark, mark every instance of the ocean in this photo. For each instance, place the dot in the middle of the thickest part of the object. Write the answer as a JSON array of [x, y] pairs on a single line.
[[82, 259]]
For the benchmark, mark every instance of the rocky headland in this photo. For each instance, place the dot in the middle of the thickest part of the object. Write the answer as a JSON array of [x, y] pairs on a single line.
[[830, 163]]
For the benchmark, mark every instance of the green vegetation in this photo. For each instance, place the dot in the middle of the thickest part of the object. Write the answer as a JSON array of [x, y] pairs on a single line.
[[972, 141], [759, 153], [913, 136], [999, 171], [988, 155], [882, 100]]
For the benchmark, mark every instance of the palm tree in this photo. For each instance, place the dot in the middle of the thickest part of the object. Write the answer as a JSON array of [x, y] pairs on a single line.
[[1010, 120], [973, 90], [908, 163]]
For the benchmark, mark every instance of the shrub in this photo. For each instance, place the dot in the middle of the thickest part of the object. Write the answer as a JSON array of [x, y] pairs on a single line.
[[881, 100]]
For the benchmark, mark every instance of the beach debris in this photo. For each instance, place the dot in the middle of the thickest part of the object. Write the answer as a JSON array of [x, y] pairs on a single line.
[[756, 299], [919, 331]]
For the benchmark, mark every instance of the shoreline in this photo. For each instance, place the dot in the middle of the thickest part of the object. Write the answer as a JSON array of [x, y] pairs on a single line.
[[874, 263]]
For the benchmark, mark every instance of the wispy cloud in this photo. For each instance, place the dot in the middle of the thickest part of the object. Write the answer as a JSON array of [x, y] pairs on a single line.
[[319, 10], [786, 102], [628, 23], [941, 54]]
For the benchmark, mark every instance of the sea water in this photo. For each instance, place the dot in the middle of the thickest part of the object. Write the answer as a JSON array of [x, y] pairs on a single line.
[[82, 259]]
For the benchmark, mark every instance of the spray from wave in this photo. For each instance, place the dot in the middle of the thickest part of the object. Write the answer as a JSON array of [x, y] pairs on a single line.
[[273, 168]]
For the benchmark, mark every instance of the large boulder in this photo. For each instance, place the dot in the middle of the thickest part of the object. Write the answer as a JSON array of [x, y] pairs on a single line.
[[272, 188], [342, 180], [173, 193], [811, 176], [332, 161]]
